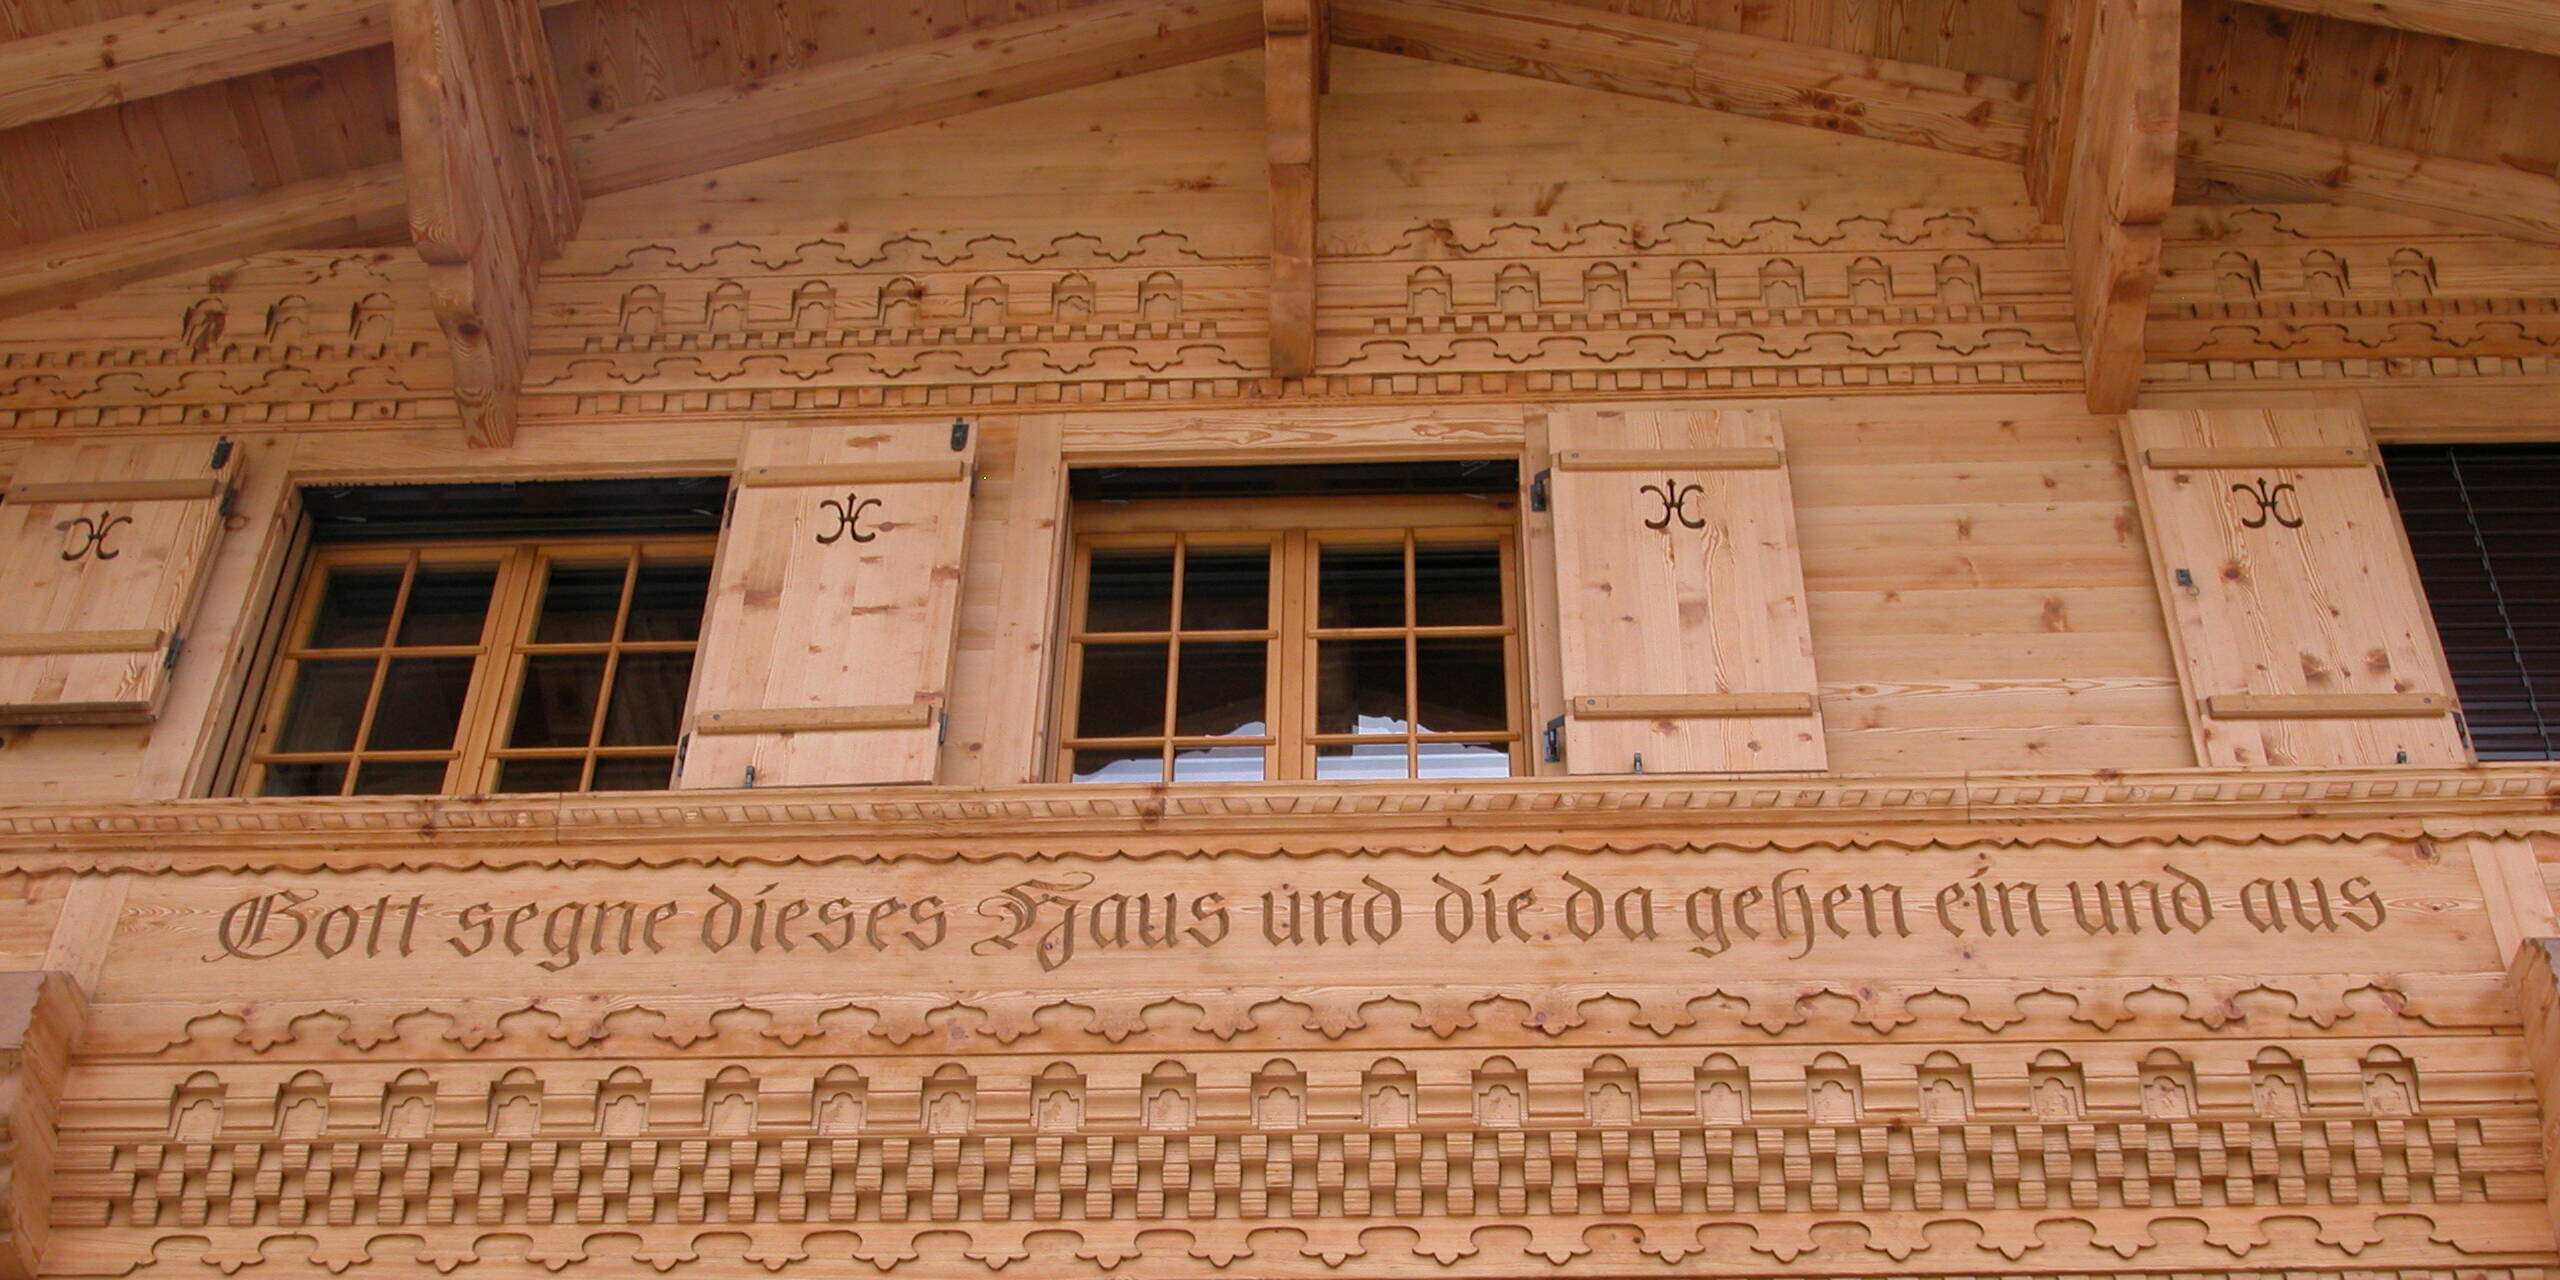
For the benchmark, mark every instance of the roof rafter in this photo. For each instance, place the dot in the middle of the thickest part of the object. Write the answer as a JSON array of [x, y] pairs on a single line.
[[2530, 25], [177, 47], [676, 138], [1675, 62], [1293, 50], [490, 193]]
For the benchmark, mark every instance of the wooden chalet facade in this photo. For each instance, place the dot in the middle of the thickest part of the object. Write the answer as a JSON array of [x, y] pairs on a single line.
[[1183, 638]]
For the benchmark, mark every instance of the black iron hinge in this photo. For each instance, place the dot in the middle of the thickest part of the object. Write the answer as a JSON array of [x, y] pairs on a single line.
[[177, 644], [1554, 738], [751, 775], [1538, 491], [959, 434], [221, 452]]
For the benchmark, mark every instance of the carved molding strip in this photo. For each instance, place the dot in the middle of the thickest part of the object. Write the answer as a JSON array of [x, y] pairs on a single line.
[[2266, 806]]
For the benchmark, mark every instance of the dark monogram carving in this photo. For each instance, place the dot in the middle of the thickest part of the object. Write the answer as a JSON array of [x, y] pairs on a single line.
[[848, 514], [2276, 502], [1674, 497], [86, 536]]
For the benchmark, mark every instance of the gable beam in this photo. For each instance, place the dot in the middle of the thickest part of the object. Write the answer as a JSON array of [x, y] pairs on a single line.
[[2530, 25], [2105, 160], [491, 197], [1675, 62], [178, 46], [676, 138], [1292, 82], [2314, 166]]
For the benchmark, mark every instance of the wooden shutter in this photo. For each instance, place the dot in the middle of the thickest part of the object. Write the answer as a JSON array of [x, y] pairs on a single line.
[[1680, 595], [826, 653], [106, 548], [2300, 629]]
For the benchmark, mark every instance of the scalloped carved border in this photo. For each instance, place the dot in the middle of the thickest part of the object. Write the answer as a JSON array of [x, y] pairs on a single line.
[[2295, 1004]]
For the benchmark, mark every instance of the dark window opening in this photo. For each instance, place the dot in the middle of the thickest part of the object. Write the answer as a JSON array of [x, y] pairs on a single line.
[[2484, 525]]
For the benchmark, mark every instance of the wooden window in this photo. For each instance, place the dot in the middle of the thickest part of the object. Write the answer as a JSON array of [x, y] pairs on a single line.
[[450, 667], [1239, 640]]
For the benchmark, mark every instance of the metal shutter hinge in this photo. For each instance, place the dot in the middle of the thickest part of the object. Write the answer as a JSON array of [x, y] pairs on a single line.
[[1554, 738], [1538, 490], [177, 644], [959, 434], [221, 452]]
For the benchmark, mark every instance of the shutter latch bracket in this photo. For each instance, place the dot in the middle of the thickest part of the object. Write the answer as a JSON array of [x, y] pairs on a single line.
[[1554, 737], [1538, 490]]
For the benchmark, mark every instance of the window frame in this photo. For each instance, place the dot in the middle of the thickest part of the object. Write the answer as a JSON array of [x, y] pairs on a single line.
[[500, 655], [1296, 529]]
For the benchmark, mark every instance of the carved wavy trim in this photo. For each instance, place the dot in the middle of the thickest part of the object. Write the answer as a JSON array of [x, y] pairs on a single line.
[[855, 1022], [2090, 1242]]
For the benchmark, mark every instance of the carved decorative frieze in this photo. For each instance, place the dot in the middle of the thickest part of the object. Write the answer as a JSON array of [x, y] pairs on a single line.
[[2315, 292], [1566, 1162]]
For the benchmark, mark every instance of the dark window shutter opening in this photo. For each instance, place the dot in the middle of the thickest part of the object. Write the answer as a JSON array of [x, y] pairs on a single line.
[[2484, 523]]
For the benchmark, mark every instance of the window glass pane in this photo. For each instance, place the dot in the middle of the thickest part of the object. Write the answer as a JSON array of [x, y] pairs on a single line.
[[1463, 760], [1457, 586], [634, 773], [558, 703], [1360, 686], [1353, 760], [303, 780], [1218, 693], [648, 697], [1217, 764], [1131, 589], [1360, 586], [1459, 684], [399, 777], [1122, 694], [421, 704], [447, 604], [326, 706], [1226, 588], [355, 607], [540, 775], [667, 601], [1140, 764], [579, 601]]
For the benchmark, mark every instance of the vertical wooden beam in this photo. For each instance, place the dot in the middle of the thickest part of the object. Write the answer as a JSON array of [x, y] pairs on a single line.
[[1293, 49], [491, 194], [2535, 976], [41, 1016], [2101, 160]]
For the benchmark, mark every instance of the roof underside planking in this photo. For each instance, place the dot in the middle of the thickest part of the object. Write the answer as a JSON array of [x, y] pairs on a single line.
[[139, 137]]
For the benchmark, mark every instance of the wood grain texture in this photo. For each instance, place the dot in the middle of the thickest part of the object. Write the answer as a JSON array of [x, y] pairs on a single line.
[[1695, 614], [490, 193], [831, 628], [2285, 583], [2307, 166], [2117, 179], [2516, 24], [91, 578], [177, 46], [1293, 60], [1696, 66]]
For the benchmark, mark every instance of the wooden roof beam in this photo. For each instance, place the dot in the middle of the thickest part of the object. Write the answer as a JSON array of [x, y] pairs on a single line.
[[327, 210], [2314, 166], [2103, 162], [912, 84], [672, 139], [2531, 25], [1675, 62], [491, 197], [1293, 56], [178, 46]]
